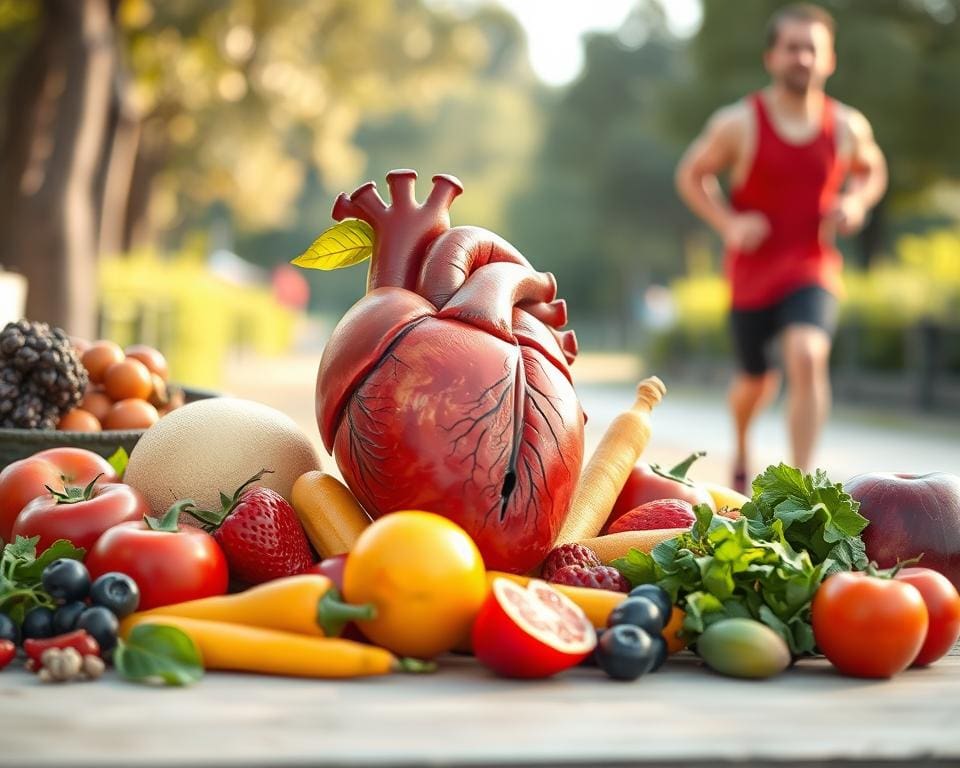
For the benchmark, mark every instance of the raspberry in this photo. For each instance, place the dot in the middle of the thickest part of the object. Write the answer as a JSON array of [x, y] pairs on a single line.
[[568, 554], [594, 577]]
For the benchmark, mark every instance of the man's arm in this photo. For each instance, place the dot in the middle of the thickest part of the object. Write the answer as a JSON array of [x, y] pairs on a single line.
[[713, 152], [868, 179]]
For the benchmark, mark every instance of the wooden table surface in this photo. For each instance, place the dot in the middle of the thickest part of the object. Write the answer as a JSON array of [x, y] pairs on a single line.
[[463, 716]]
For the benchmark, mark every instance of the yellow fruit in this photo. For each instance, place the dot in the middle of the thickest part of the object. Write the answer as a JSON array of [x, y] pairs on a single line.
[[216, 445], [425, 578], [723, 496]]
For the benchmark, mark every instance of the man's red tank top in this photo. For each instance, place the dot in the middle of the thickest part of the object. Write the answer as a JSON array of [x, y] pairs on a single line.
[[794, 186]]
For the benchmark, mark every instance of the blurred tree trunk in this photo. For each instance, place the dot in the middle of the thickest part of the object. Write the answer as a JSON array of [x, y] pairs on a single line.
[[119, 162], [58, 110]]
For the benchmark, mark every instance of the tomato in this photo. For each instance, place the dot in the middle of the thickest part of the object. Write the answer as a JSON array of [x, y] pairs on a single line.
[[129, 379], [170, 564], [530, 632], [97, 403], [80, 515], [24, 480], [943, 607], [131, 414], [649, 482], [150, 357], [426, 578], [869, 626]]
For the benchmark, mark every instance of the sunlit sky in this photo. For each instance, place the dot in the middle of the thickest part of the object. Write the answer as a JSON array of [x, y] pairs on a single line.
[[555, 28]]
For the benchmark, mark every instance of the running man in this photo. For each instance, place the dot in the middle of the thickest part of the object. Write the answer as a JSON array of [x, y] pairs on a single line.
[[802, 168]]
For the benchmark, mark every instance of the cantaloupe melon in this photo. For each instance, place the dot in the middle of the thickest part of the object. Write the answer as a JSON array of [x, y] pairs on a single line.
[[216, 445]]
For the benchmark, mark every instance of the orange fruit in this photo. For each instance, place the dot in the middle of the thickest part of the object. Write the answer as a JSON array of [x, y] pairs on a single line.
[[150, 357], [79, 420], [131, 413], [128, 380], [100, 356], [97, 403]]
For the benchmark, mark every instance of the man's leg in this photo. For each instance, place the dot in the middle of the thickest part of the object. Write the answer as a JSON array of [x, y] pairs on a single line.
[[806, 353], [749, 395]]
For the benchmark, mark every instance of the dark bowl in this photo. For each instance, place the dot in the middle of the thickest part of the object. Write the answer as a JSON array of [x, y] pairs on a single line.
[[16, 444]]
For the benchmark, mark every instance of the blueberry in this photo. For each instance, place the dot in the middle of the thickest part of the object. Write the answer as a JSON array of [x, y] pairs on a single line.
[[658, 595], [9, 629], [38, 623], [626, 652], [660, 652], [66, 580], [65, 617], [117, 592], [640, 612], [102, 625]]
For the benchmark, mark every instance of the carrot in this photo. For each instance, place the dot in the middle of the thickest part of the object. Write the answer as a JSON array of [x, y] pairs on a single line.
[[269, 652], [614, 545], [304, 604], [329, 513], [606, 473]]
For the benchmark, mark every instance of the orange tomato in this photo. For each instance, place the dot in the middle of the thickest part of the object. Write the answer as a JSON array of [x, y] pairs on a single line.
[[131, 413], [96, 403], [79, 420], [100, 356], [150, 357], [126, 380], [424, 575]]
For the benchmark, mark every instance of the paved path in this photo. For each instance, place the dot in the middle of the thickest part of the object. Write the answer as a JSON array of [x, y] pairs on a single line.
[[856, 440]]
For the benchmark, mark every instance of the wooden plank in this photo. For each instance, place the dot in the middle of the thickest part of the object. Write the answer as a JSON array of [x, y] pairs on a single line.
[[463, 716]]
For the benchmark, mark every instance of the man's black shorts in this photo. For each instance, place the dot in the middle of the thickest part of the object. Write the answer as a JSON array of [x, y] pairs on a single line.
[[755, 329]]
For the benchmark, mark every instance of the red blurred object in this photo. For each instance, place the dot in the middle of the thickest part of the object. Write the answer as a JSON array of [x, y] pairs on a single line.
[[290, 287]]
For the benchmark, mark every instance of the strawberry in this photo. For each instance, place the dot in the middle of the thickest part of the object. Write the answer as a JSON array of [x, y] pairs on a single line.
[[568, 554], [593, 577], [662, 513], [259, 533]]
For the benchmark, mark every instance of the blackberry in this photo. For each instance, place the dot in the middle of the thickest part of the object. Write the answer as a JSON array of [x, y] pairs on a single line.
[[41, 377]]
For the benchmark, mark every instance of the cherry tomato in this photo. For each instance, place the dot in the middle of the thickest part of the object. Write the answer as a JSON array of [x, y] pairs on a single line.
[[98, 357], [24, 480], [97, 403], [170, 564], [426, 578], [81, 519], [129, 379], [150, 357], [79, 420], [943, 607], [131, 414], [869, 626]]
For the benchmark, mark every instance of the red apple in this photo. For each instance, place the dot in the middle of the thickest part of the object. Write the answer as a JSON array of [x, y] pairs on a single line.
[[911, 515]]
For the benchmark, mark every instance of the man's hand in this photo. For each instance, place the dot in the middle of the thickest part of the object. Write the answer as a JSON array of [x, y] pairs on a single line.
[[848, 214], [745, 232]]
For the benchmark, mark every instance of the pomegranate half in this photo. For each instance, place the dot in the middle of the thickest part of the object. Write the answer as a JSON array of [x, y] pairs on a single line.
[[532, 631]]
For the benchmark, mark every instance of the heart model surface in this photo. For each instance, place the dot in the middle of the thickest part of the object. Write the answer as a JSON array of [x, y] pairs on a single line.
[[447, 387]]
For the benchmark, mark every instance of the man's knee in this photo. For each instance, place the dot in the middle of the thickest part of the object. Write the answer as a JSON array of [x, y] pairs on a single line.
[[807, 353]]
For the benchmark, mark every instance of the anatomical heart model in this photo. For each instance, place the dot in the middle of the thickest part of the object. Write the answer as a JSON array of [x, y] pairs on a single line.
[[447, 387]]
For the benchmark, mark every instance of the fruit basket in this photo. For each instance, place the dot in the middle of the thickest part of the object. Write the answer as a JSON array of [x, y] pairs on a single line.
[[17, 444]]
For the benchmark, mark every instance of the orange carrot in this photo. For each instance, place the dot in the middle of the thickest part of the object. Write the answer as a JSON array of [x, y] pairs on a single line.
[[606, 473]]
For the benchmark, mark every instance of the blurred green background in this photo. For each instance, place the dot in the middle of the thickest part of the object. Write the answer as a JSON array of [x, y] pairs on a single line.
[[161, 163]]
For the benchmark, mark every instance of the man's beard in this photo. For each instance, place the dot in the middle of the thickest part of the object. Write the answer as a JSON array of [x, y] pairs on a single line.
[[797, 82]]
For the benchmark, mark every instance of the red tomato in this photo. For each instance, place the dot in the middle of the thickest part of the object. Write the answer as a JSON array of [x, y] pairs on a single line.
[[943, 607], [869, 626], [81, 520], [649, 482], [24, 480], [170, 564]]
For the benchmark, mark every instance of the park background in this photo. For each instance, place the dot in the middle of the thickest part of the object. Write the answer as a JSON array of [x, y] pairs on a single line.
[[162, 162]]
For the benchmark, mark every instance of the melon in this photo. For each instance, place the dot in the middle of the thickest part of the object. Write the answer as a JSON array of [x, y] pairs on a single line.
[[215, 445]]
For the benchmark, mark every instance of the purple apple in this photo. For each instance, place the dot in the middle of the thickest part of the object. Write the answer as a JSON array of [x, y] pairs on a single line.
[[911, 515]]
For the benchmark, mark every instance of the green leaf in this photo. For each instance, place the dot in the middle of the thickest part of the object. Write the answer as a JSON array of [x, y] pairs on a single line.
[[159, 653], [637, 567], [346, 243], [32, 570], [119, 460]]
